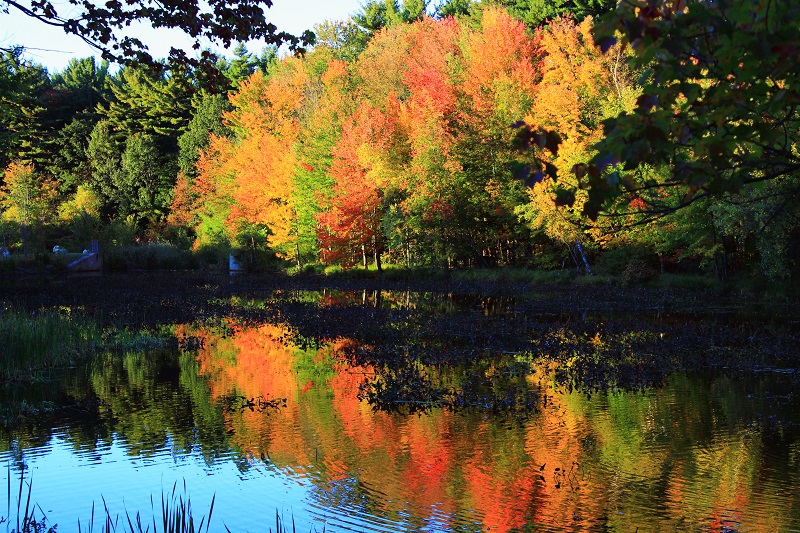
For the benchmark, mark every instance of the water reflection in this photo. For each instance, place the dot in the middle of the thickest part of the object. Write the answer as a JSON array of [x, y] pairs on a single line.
[[265, 421]]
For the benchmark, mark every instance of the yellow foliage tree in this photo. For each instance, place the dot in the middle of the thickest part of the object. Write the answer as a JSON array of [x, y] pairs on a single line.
[[248, 180], [579, 87], [84, 200]]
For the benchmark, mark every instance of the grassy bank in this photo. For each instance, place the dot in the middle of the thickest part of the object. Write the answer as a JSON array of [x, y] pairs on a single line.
[[624, 279], [34, 343]]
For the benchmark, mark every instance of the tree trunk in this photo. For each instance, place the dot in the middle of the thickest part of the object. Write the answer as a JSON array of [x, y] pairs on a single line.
[[252, 250], [583, 256]]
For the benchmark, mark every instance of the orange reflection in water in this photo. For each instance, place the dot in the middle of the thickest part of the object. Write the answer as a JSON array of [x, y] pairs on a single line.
[[439, 465], [254, 363]]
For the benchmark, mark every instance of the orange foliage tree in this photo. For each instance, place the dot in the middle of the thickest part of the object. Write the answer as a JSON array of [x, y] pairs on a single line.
[[408, 149], [251, 175], [351, 227]]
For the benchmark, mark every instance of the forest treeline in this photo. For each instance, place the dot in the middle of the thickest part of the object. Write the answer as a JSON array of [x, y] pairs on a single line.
[[399, 137]]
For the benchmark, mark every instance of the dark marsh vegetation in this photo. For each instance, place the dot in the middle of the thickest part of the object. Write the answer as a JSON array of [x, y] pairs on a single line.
[[592, 336]]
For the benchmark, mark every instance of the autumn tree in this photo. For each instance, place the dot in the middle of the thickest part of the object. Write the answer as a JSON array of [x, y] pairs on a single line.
[[345, 39], [580, 87], [351, 229], [27, 199], [321, 130], [719, 106], [717, 122], [248, 178], [500, 74]]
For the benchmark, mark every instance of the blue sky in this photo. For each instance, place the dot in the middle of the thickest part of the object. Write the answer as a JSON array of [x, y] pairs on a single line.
[[52, 48]]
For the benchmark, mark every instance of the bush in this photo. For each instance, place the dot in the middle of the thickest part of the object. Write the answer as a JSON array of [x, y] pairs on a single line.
[[149, 257], [118, 233], [638, 271], [214, 256], [308, 268]]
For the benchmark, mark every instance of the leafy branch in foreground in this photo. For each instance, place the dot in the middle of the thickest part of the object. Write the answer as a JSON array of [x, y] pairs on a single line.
[[719, 111], [220, 21]]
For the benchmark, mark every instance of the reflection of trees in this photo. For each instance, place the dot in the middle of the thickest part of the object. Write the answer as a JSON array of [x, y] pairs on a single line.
[[692, 454], [577, 462], [152, 400], [147, 401]]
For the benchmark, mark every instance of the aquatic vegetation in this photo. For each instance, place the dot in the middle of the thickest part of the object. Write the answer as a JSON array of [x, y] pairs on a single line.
[[26, 519], [175, 515], [36, 343], [33, 342]]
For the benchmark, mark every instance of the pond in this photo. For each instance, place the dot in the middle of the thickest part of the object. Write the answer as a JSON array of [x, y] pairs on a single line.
[[400, 411]]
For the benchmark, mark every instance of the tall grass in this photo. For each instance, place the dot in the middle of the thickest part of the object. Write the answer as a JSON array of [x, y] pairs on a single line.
[[175, 515], [26, 520], [32, 342]]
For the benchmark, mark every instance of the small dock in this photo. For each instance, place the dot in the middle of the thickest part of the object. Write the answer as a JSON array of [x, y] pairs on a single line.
[[91, 262]]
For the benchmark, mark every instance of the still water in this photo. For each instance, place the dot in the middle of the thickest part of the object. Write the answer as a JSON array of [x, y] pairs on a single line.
[[256, 416]]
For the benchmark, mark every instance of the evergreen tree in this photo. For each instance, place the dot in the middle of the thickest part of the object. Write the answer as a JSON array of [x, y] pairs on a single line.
[[70, 164], [156, 104], [535, 13], [206, 121], [68, 118], [23, 86], [454, 8], [83, 82], [104, 157], [144, 187], [378, 14], [241, 66]]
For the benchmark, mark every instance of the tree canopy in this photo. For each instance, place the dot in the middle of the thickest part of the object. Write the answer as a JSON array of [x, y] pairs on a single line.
[[719, 108], [663, 133]]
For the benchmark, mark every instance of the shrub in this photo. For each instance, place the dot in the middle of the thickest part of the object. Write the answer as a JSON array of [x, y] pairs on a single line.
[[149, 257], [638, 271]]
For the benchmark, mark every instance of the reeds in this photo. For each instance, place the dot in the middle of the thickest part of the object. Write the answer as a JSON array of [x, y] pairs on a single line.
[[174, 516], [34, 342], [26, 521]]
